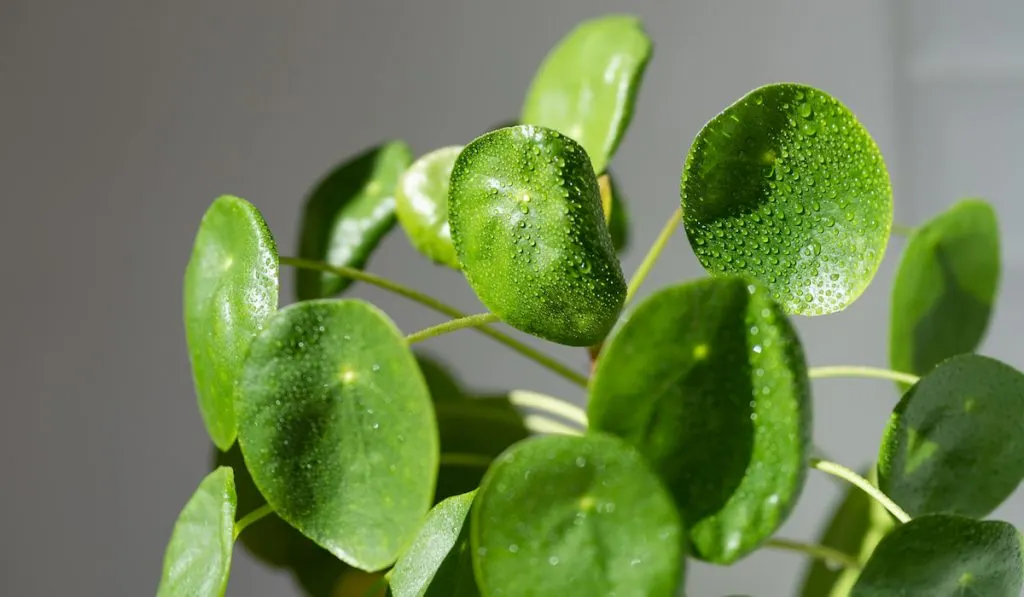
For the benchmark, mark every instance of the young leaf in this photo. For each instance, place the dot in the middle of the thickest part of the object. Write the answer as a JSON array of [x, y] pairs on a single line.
[[945, 555], [336, 426], [347, 215], [230, 291], [439, 562], [588, 83], [954, 441], [615, 213], [422, 205], [707, 379], [198, 558], [564, 515], [945, 288], [526, 219], [786, 186]]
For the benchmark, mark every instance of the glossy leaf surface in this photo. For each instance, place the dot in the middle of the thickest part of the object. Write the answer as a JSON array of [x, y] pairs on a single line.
[[707, 379], [422, 205], [230, 290], [439, 562], [786, 186]]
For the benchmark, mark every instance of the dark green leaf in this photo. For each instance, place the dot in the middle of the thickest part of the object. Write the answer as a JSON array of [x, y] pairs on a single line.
[[954, 441], [336, 426], [944, 555], [786, 186], [588, 83], [439, 562], [565, 515], [198, 558], [708, 380], [945, 288], [347, 215], [526, 218], [615, 213], [422, 205], [441, 381], [230, 291]]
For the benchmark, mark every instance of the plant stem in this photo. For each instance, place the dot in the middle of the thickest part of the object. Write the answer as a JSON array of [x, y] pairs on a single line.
[[469, 321], [465, 459], [252, 517], [857, 371], [652, 255], [863, 484], [548, 404], [900, 229], [539, 424], [432, 303], [821, 552]]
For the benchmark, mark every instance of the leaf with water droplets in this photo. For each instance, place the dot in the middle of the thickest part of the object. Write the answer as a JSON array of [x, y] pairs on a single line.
[[230, 291], [336, 425], [346, 216], [198, 557], [565, 515], [954, 441], [708, 380], [439, 561], [615, 213], [422, 205], [943, 555], [786, 186], [945, 288], [588, 83], [526, 219]]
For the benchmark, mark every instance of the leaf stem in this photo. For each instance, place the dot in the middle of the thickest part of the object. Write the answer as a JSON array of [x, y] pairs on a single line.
[[469, 321], [539, 424], [548, 404], [432, 303], [858, 371], [820, 552], [900, 229], [652, 254], [250, 518], [863, 484]]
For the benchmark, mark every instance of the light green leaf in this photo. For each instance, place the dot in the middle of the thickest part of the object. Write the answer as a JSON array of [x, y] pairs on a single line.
[[230, 291], [336, 426], [588, 83], [347, 214], [708, 380], [788, 187], [565, 515], [198, 558], [954, 441], [439, 562], [422, 205]]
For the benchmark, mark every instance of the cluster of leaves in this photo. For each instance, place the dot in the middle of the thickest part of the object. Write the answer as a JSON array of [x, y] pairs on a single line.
[[380, 472]]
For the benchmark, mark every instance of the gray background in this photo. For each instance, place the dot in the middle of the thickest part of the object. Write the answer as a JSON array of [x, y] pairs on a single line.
[[121, 120]]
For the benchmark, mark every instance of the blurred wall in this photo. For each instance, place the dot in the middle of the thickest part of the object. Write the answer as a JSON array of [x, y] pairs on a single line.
[[120, 121]]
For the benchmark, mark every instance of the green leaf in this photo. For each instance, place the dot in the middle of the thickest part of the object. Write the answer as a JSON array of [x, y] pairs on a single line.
[[945, 288], [441, 381], [230, 291], [347, 214], [526, 218], [198, 558], [945, 555], [954, 441], [422, 205], [787, 187], [336, 426], [708, 380], [566, 515], [588, 83], [615, 213], [439, 562]]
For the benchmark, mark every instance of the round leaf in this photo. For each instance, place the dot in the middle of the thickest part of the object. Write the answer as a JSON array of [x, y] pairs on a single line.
[[198, 558], [439, 563], [565, 515], [615, 213], [337, 428], [786, 186], [954, 441], [707, 379], [588, 83], [230, 291], [526, 219], [945, 288], [945, 556], [347, 214], [421, 201]]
